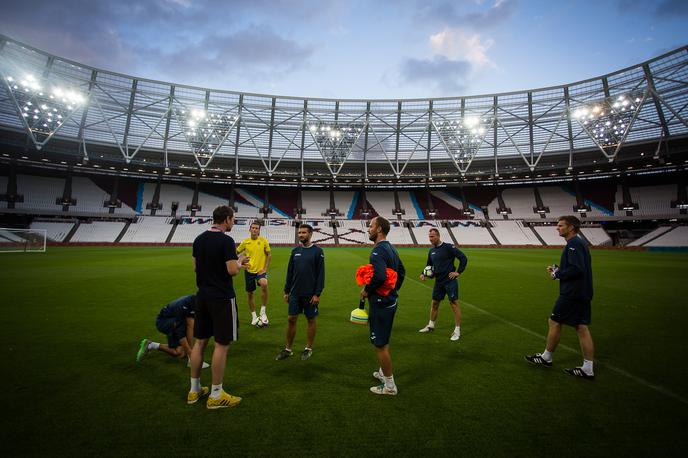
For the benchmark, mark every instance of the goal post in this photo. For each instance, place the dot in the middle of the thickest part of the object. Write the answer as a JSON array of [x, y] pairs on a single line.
[[23, 240]]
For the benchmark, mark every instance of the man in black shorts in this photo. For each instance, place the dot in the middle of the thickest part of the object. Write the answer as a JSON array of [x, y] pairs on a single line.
[[382, 308], [215, 262], [572, 307]]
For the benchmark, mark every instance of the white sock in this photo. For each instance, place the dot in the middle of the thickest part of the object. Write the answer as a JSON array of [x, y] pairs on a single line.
[[288, 349], [253, 315], [431, 324], [587, 367], [195, 385], [389, 382], [262, 310], [216, 391], [547, 355], [457, 330], [308, 348], [153, 345]]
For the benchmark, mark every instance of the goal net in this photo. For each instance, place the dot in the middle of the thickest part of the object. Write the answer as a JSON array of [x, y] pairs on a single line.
[[22, 240]]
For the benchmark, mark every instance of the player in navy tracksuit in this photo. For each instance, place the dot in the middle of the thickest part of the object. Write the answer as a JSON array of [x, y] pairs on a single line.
[[382, 308], [572, 307], [302, 289], [441, 257]]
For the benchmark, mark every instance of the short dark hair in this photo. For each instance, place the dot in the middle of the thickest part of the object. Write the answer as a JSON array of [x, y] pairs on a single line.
[[383, 224], [306, 226], [255, 223], [434, 229], [571, 221], [221, 213]]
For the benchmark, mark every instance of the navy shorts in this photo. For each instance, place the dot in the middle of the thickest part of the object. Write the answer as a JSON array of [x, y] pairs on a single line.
[[302, 304], [449, 289], [380, 320], [252, 280], [571, 311], [217, 319], [173, 329]]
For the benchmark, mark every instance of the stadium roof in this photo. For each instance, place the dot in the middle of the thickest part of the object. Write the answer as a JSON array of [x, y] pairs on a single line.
[[61, 108]]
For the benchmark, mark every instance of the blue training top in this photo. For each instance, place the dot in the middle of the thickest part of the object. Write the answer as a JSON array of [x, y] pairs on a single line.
[[306, 272], [385, 256], [179, 309], [575, 271], [441, 258]]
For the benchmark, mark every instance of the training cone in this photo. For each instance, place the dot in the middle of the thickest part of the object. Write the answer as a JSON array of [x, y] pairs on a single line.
[[359, 315]]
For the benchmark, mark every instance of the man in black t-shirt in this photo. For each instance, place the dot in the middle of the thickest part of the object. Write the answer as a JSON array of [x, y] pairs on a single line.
[[215, 262]]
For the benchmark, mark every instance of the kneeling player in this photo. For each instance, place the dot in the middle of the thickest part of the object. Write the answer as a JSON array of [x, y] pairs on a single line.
[[176, 320]]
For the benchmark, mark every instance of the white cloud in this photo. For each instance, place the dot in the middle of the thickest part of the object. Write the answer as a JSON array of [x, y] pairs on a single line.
[[455, 43]]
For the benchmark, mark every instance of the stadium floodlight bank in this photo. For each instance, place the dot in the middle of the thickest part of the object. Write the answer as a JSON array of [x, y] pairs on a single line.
[[22, 240]]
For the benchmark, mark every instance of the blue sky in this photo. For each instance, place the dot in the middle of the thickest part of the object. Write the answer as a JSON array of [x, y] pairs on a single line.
[[354, 49]]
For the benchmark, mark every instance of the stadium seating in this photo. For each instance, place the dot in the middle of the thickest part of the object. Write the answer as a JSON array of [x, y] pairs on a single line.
[[352, 232], [3, 189], [343, 200], [597, 236], [315, 203], [549, 235], [190, 228], [174, 193], [399, 235], [39, 193], [322, 232], [654, 200], [520, 200], [279, 231], [559, 201], [98, 231], [209, 202], [148, 229], [89, 197], [383, 203], [407, 204], [55, 231], [471, 234], [421, 229], [677, 237], [650, 235], [513, 233]]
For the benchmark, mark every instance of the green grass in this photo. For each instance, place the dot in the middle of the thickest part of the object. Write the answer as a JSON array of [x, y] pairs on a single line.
[[73, 317]]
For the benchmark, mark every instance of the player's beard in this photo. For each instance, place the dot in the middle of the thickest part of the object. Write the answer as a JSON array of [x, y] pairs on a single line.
[[373, 237], [305, 242]]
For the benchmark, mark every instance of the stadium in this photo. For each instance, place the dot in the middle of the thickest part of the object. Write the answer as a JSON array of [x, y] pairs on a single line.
[[107, 178]]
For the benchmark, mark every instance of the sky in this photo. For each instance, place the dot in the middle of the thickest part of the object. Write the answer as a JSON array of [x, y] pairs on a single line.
[[351, 49]]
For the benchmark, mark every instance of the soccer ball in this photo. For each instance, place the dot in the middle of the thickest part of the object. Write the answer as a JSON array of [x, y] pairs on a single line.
[[428, 272], [261, 323]]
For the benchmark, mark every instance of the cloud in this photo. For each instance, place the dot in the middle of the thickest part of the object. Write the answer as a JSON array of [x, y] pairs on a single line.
[[446, 76], [453, 13], [455, 43]]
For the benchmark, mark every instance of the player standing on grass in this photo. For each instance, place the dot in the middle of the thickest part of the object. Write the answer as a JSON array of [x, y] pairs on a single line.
[[382, 308], [304, 285], [441, 258], [573, 304], [257, 249], [215, 262]]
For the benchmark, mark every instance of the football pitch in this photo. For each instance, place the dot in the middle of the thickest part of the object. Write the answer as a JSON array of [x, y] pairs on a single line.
[[73, 318]]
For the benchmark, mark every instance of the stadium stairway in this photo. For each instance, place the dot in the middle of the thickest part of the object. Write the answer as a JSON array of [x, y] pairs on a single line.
[[336, 236], [451, 234], [171, 234], [124, 231], [489, 229], [538, 236], [71, 233], [413, 236]]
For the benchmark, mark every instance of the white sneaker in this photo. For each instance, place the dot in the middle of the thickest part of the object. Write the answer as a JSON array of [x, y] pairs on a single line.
[[378, 375], [455, 336], [254, 321], [264, 319], [426, 329], [382, 389]]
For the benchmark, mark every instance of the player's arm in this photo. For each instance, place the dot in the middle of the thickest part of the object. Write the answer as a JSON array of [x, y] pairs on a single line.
[[463, 260], [320, 277], [379, 273], [428, 263], [194, 264], [234, 263], [401, 275], [290, 273], [575, 265], [268, 258]]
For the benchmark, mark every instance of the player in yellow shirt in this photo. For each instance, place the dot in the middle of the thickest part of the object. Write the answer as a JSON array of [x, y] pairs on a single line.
[[257, 249]]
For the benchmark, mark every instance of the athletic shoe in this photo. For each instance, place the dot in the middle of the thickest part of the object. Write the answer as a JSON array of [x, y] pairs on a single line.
[[254, 321], [194, 396], [538, 360], [579, 372], [204, 366], [143, 350], [426, 329], [378, 375], [455, 336], [307, 352], [225, 400], [382, 389], [284, 354], [264, 319]]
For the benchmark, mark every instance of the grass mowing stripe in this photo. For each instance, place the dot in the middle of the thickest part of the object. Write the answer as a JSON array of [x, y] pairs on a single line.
[[618, 370]]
